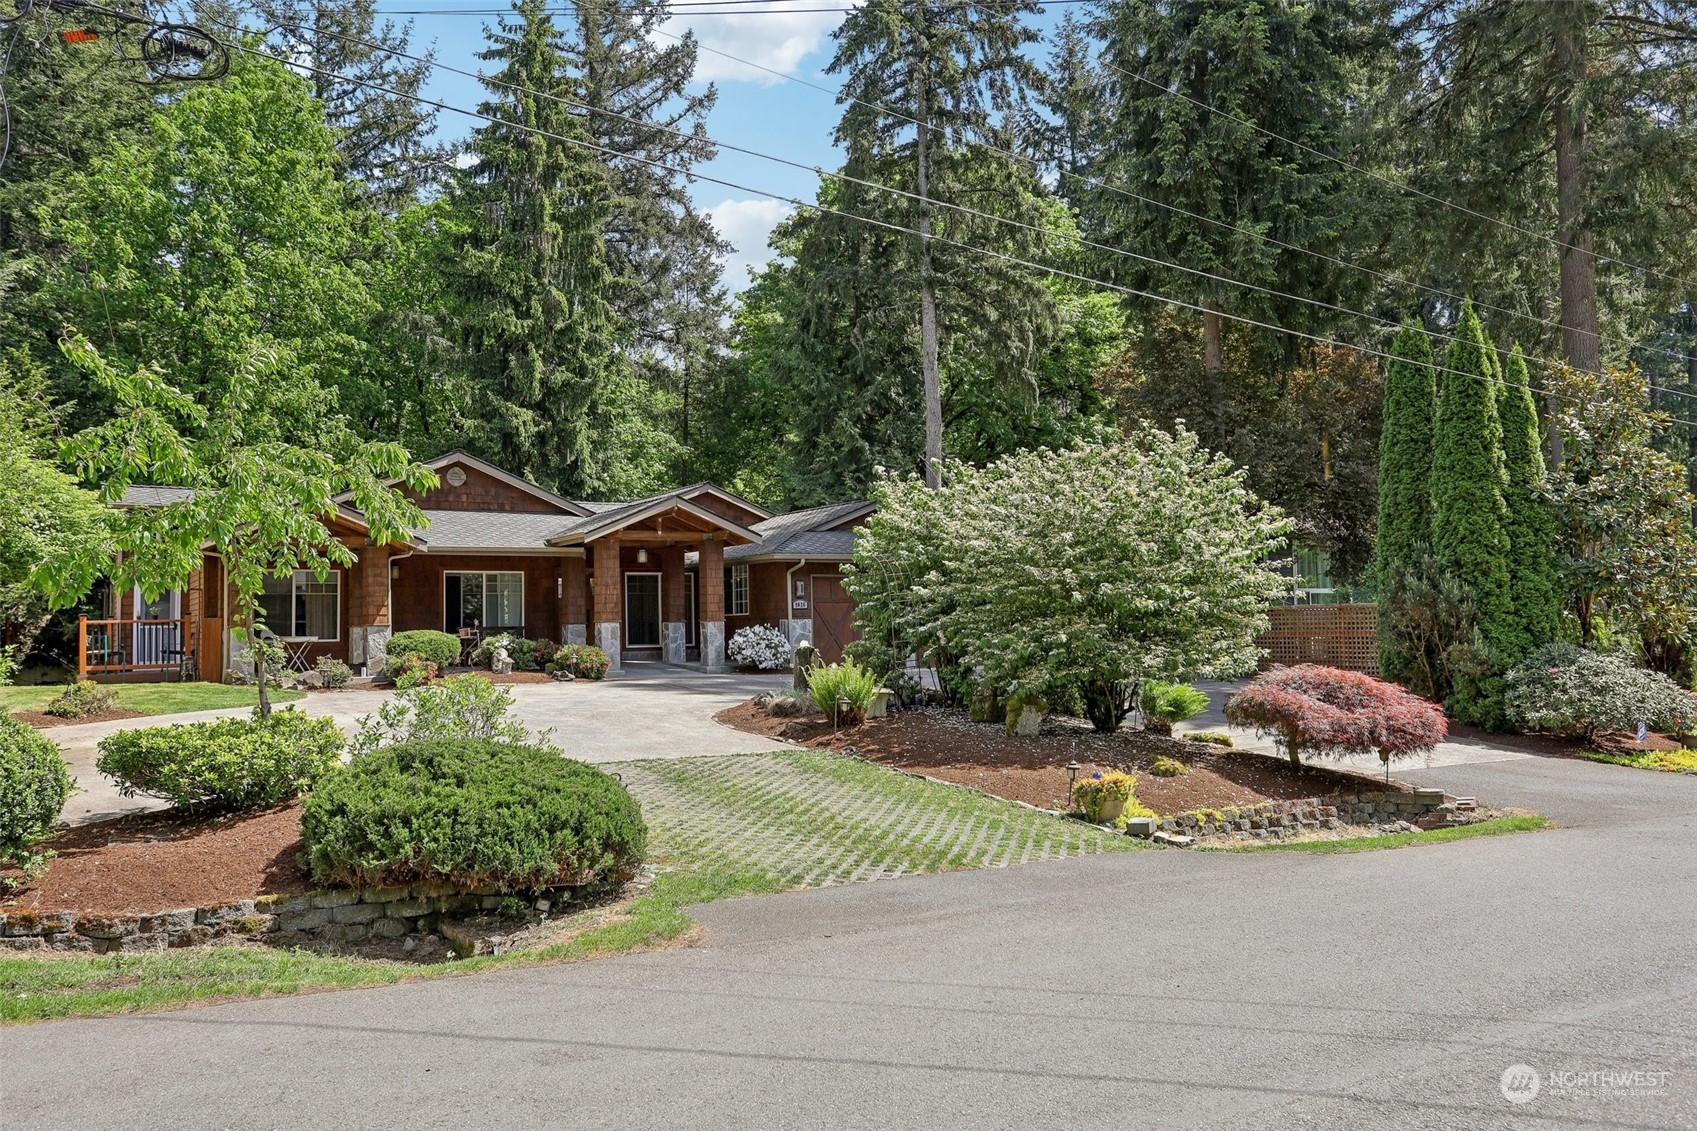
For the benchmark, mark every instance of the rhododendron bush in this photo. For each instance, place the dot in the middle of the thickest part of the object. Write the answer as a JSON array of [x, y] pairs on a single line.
[[1083, 571], [1328, 711], [1563, 689]]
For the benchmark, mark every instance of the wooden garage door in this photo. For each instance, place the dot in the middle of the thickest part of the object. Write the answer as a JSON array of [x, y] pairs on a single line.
[[833, 617]]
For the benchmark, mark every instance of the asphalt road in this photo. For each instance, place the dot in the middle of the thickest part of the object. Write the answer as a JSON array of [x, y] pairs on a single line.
[[1156, 989]]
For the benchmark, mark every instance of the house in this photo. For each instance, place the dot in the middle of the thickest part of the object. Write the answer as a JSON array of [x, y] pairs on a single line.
[[666, 577]]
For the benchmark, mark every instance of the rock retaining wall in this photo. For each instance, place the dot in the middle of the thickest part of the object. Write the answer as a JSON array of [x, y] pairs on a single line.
[[1423, 808], [333, 915]]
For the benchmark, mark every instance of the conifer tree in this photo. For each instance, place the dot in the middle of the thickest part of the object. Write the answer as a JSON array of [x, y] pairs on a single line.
[[536, 329], [1470, 523], [1405, 478], [1531, 524]]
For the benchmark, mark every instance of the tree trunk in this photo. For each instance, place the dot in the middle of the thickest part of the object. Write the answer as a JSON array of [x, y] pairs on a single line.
[[1213, 346], [928, 301], [1578, 261]]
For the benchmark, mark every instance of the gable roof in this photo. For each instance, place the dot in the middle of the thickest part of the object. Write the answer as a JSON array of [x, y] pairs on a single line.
[[611, 518], [137, 495], [804, 534], [516, 482]]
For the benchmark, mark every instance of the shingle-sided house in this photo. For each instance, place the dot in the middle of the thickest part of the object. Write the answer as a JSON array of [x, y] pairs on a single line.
[[666, 577]]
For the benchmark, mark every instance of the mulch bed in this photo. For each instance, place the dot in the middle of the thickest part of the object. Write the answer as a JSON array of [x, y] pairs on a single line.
[[41, 720], [944, 744], [160, 861]]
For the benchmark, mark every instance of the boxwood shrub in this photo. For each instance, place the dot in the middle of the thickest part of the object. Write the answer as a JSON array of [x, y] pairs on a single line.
[[440, 648], [227, 764], [34, 785], [474, 813]]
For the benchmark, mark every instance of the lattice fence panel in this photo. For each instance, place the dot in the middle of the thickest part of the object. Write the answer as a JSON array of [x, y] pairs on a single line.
[[1339, 636]]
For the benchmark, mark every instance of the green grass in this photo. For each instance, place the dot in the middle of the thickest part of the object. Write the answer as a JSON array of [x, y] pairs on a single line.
[[1496, 826], [719, 827], [149, 698], [1667, 761]]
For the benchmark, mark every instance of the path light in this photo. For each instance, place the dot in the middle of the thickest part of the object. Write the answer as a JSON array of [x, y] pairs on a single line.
[[842, 705], [1072, 780]]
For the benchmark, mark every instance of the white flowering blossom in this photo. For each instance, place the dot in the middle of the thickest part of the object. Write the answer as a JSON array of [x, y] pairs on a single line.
[[759, 646]]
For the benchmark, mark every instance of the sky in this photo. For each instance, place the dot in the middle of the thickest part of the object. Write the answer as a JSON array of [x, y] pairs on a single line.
[[755, 109]]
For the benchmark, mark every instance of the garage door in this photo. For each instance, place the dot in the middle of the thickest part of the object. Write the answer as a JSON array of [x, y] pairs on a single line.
[[833, 617]]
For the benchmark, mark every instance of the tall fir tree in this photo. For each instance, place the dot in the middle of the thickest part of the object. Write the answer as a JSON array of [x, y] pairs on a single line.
[[1533, 584], [1405, 479], [1470, 524], [370, 94], [536, 331]]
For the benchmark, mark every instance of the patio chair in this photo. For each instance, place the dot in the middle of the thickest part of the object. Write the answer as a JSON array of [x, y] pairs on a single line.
[[470, 640]]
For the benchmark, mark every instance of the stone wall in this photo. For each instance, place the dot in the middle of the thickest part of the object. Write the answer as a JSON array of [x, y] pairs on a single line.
[[1271, 820], [332, 915]]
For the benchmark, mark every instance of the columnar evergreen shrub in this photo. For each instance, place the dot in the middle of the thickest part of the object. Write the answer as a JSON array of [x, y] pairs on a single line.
[[1318, 710], [1470, 523], [34, 786], [1405, 483], [1568, 690], [440, 648], [1533, 586], [226, 764], [472, 813]]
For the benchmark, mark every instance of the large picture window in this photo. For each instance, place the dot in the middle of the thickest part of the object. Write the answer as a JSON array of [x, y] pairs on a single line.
[[483, 600], [300, 605], [736, 591]]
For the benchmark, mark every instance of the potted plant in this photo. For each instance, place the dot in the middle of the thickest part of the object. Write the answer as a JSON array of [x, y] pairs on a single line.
[[1104, 798]]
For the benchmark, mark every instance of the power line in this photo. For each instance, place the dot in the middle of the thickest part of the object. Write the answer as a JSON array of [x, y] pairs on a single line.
[[870, 221], [1405, 187], [1118, 189], [1079, 239]]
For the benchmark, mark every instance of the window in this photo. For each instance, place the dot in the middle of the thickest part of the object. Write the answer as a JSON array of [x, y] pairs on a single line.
[[736, 591], [482, 600], [299, 604]]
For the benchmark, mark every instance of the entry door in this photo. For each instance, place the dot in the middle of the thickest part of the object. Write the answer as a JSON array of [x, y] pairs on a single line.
[[833, 617], [153, 641], [642, 610], [690, 639]]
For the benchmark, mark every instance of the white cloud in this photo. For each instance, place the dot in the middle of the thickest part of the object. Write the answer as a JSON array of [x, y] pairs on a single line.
[[746, 225], [773, 39]]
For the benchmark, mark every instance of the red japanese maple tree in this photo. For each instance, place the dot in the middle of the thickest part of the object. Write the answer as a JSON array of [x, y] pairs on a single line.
[[1329, 711]]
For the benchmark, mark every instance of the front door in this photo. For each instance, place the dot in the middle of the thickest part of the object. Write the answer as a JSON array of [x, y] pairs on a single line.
[[642, 610], [833, 617]]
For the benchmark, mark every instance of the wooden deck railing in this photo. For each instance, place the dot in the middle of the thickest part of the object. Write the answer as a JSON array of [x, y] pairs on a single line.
[[112, 646]]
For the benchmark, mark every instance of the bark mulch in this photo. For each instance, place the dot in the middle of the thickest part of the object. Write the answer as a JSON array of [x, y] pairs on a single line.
[[160, 861], [41, 720], [946, 745]]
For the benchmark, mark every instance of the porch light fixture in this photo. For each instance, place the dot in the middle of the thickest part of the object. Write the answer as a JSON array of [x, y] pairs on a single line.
[[642, 555], [559, 587], [394, 571]]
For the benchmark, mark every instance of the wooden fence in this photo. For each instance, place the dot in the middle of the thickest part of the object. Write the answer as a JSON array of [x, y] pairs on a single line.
[[1339, 636]]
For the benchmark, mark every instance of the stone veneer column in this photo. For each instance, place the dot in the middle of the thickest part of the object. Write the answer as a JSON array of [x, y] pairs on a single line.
[[609, 601], [574, 615], [710, 578], [672, 582], [374, 604]]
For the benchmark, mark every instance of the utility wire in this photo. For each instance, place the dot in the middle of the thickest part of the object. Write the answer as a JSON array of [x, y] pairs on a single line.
[[877, 186], [870, 221], [1119, 190]]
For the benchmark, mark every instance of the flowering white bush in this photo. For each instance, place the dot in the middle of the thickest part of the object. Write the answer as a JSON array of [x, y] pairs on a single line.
[[759, 646], [1567, 690]]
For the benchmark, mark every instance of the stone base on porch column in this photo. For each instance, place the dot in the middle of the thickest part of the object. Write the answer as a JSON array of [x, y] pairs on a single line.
[[712, 645], [795, 631], [607, 639], [577, 634], [673, 634], [376, 648]]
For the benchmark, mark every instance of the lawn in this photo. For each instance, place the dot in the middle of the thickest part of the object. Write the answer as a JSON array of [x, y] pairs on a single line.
[[1496, 826], [1668, 761], [149, 698], [719, 827]]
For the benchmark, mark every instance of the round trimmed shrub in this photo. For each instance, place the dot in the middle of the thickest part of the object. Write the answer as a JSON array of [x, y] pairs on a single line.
[[226, 764], [440, 648], [34, 785], [473, 813], [1567, 690]]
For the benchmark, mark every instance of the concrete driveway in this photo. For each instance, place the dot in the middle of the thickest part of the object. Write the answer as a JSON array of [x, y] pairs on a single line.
[[1164, 988], [652, 711]]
